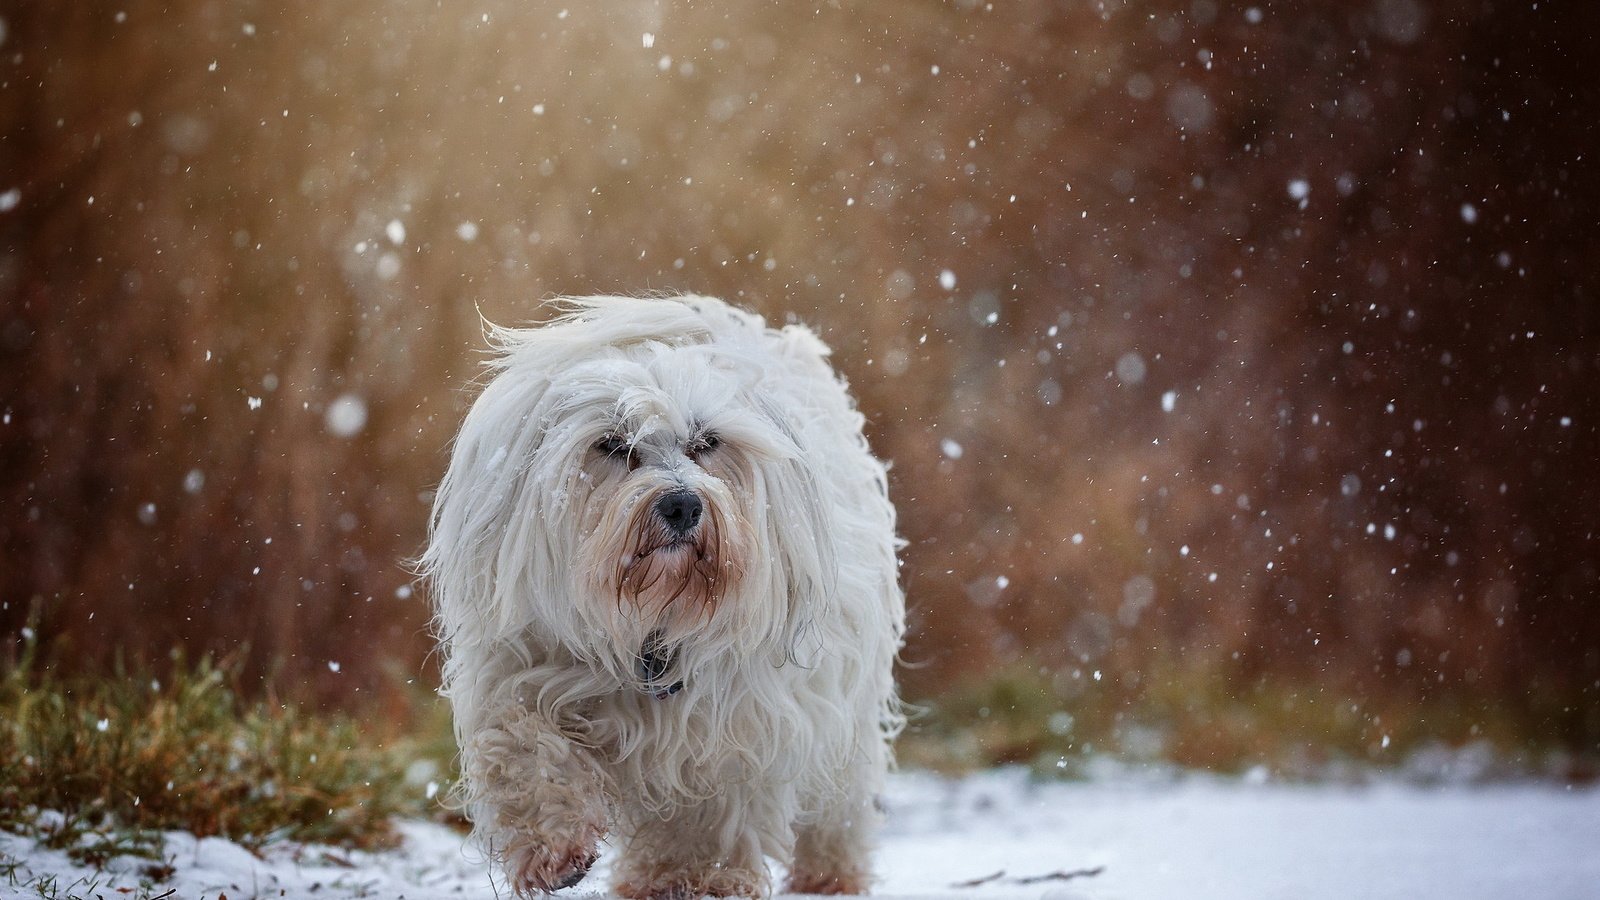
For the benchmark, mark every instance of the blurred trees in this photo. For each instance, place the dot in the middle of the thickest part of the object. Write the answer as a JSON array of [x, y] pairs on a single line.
[[1206, 341]]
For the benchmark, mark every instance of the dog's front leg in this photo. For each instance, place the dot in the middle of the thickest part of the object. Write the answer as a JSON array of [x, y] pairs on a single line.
[[536, 799], [832, 850], [707, 849]]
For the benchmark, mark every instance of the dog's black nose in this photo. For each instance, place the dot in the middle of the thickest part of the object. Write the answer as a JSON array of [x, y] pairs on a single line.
[[680, 511]]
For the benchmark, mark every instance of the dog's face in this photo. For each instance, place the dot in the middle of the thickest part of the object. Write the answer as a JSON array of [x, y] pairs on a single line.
[[617, 494], [665, 454]]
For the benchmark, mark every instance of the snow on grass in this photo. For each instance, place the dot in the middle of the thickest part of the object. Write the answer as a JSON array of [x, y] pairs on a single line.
[[1004, 835], [430, 862]]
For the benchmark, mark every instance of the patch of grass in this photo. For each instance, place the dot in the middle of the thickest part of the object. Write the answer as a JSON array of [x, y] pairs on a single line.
[[118, 760], [20, 883], [1058, 721]]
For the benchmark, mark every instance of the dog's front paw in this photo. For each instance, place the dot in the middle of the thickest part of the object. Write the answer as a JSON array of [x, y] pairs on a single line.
[[691, 885], [535, 869], [826, 883]]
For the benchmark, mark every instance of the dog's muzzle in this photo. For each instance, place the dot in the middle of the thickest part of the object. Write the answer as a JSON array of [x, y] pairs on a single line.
[[655, 659]]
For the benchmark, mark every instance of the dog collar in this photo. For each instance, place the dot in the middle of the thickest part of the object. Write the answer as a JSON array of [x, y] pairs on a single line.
[[653, 661]]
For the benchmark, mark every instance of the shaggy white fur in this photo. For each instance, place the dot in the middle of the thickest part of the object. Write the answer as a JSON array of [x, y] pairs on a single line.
[[663, 564]]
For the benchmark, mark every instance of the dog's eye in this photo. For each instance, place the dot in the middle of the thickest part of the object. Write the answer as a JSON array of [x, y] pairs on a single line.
[[611, 445], [705, 443]]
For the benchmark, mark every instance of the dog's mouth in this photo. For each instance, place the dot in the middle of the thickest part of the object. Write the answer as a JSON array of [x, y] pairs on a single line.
[[668, 549], [677, 543], [652, 664]]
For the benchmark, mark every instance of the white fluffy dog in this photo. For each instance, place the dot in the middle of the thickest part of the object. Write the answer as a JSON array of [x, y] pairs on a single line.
[[663, 562]]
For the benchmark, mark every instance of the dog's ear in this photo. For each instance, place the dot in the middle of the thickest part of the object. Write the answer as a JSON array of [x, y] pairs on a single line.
[[799, 529], [492, 545], [811, 521], [473, 532]]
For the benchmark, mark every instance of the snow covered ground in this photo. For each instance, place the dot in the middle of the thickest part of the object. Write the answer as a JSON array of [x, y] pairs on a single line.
[[1001, 835]]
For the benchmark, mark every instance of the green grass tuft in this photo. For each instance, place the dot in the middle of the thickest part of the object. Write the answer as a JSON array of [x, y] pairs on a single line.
[[122, 759]]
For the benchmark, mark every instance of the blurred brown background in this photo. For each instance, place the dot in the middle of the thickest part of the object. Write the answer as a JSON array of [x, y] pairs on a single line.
[[1211, 343]]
